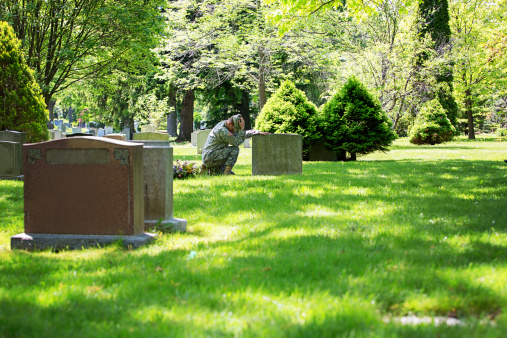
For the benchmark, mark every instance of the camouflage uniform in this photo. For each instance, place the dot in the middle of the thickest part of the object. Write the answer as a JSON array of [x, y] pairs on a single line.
[[217, 152]]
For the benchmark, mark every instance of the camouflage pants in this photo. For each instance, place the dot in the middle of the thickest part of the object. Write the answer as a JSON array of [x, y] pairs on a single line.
[[225, 156]]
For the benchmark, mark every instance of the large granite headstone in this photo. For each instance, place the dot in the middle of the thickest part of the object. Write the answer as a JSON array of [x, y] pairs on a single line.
[[202, 136], [151, 136], [277, 154], [11, 163], [319, 152], [99, 184], [158, 187]]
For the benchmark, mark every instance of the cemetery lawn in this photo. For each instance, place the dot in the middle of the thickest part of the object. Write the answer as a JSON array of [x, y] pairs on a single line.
[[344, 249]]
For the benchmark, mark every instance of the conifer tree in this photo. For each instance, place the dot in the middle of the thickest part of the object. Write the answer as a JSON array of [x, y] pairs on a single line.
[[353, 122], [434, 20], [289, 111], [22, 106]]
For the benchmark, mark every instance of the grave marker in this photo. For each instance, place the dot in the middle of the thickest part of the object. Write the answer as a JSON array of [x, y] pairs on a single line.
[[99, 184], [151, 136], [202, 136], [11, 163], [277, 154]]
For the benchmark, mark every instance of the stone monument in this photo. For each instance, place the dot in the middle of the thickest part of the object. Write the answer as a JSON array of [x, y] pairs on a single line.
[[158, 187], [277, 154], [150, 135], [99, 184], [11, 154], [202, 136]]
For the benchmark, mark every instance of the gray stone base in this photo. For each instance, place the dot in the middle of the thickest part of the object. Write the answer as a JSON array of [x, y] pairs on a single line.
[[12, 178], [33, 242], [168, 225]]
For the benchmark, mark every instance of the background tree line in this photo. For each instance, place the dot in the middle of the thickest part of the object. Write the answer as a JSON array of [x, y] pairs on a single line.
[[175, 63]]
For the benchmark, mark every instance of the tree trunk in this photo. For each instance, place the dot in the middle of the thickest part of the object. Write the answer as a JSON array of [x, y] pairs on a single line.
[[262, 80], [245, 109], [172, 123], [470, 115], [70, 111], [51, 107], [352, 157], [187, 116]]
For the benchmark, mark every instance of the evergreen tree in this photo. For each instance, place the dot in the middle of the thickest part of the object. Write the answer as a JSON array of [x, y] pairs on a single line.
[[353, 122], [434, 20], [22, 106], [431, 126], [289, 111]]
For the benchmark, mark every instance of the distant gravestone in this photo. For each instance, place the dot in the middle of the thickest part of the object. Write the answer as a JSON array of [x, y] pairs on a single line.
[[193, 138], [58, 123], [63, 127], [202, 136], [148, 128], [126, 131], [151, 136], [55, 134], [277, 154], [319, 152], [158, 187], [11, 164], [10, 161], [113, 168], [101, 132], [119, 137], [76, 130], [108, 130], [247, 144]]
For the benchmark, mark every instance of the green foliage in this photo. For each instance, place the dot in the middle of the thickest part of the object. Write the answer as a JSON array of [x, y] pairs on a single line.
[[22, 107], [501, 132], [431, 126], [354, 122], [289, 111]]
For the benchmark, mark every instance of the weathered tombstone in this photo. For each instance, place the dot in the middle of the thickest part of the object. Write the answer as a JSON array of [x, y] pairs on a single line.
[[151, 136], [193, 138], [112, 168], [68, 125], [126, 131], [319, 152], [11, 165], [202, 136], [247, 144], [277, 154], [148, 128], [120, 137], [108, 130], [10, 161], [63, 127], [76, 130], [101, 132], [158, 187], [58, 123]]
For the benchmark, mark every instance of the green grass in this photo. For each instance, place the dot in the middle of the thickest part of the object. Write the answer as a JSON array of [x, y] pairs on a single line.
[[337, 251]]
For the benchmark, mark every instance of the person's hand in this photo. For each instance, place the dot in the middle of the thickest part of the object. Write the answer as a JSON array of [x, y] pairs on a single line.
[[264, 132], [242, 123]]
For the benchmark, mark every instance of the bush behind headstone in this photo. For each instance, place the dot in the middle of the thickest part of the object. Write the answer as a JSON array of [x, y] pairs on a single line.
[[353, 122], [288, 111], [431, 125], [22, 106]]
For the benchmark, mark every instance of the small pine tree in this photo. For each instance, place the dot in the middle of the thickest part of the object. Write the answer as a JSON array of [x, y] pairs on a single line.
[[289, 111], [354, 122], [22, 107], [431, 125]]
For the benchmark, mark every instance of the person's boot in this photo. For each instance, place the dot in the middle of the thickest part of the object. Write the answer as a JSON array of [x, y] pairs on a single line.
[[228, 170], [203, 170]]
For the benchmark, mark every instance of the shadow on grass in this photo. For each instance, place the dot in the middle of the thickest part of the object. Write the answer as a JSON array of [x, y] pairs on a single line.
[[338, 237]]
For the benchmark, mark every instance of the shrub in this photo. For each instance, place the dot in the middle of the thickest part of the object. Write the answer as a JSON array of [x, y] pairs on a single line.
[[431, 125], [289, 111], [22, 107], [501, 132], [354, 122]]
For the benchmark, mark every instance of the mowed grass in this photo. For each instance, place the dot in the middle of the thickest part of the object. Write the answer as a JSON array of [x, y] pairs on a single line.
[[342, 250]]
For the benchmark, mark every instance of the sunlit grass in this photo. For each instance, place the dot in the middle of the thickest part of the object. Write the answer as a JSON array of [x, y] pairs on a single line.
[[332, 252]]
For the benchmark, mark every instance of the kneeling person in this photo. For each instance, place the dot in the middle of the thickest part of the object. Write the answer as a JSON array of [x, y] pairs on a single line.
[[221, 149]]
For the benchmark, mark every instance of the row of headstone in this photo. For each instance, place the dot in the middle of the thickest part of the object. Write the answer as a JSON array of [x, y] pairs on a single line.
[[135, 181]]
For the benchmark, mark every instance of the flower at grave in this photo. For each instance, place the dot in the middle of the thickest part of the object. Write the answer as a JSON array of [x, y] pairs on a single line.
[[184, 170]]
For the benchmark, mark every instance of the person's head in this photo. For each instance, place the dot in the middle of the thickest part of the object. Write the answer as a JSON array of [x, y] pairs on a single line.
[[234, 122]]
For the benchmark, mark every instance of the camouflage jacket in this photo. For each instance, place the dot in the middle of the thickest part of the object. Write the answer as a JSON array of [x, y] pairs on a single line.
[[220, 137]]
